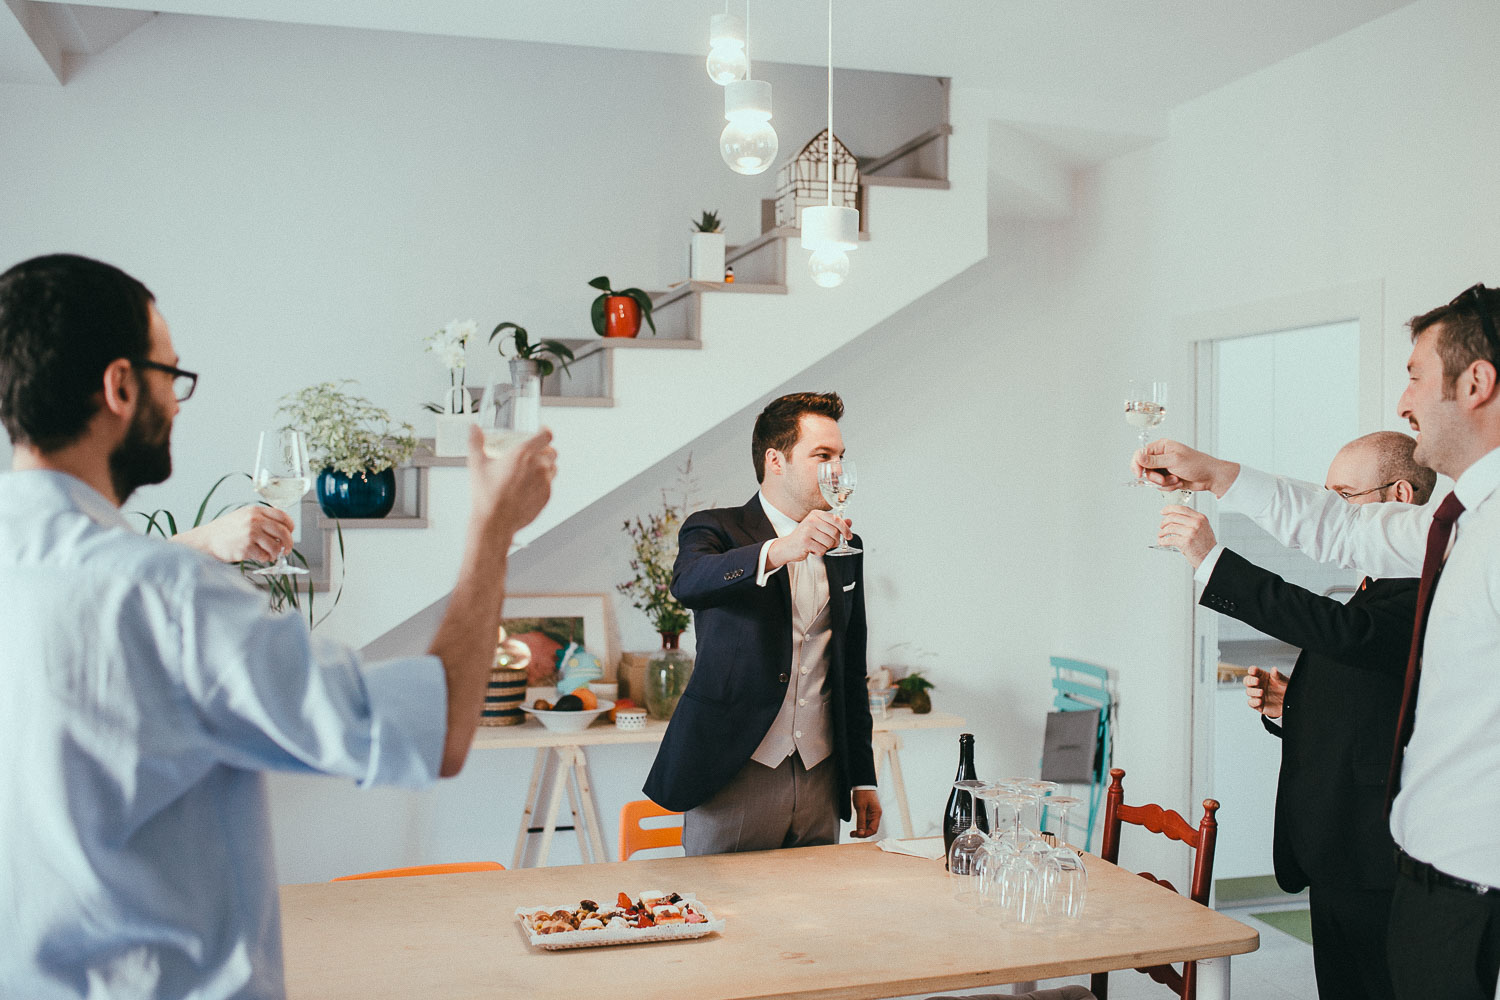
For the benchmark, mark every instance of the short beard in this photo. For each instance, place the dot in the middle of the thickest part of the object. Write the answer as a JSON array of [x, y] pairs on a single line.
[[144, 458]]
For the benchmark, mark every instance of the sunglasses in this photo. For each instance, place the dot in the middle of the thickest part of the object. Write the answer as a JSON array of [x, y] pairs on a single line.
[[1474, 298], [183, 382]]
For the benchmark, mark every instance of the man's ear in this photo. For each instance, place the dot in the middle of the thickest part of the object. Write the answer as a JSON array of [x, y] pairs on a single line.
[[1481, 387], [120, 390], [773, 462], [1403, 491]]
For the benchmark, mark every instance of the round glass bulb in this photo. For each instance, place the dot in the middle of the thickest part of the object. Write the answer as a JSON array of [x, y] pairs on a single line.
[[748, 145], [829, 267], [727, 64]]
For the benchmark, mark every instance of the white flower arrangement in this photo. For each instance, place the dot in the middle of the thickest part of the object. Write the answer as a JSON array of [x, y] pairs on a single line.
[[450, 344]]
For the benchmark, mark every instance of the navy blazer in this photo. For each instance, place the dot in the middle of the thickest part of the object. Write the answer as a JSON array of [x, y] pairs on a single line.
[[744, 660], [1338, 721]]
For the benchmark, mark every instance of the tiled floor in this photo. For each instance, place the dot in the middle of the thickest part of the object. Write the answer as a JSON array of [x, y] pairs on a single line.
[[1281, 969]]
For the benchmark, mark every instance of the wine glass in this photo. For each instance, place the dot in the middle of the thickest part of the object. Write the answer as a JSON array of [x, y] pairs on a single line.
[[836, 479], [509, 411], [963, 854], [282, 479], [1145, 407], [1177, 496]]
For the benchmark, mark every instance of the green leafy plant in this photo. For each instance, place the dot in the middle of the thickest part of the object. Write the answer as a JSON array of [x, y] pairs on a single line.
[[654, 538], [596, 311], [708, 224], [536, 351], [912, 690], [281, 590], [345, 432]]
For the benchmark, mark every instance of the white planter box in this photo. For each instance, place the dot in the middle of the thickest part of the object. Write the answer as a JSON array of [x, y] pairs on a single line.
[[707, 257], [452, 437]]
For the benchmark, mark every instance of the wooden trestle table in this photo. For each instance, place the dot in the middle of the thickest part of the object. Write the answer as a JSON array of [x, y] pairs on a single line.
[[818, 923], [571, 773]]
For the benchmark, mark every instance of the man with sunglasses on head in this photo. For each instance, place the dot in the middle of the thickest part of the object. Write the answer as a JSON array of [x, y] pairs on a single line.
[[1338, 709], [1444, 936], [148, 687]]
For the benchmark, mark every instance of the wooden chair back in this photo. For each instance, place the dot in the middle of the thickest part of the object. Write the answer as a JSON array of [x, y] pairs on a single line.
[[634, 837], [447, 869], [1170, 824]]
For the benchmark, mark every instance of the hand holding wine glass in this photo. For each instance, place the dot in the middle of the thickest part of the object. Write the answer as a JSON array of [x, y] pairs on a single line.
[[282, 478], [836, 480]]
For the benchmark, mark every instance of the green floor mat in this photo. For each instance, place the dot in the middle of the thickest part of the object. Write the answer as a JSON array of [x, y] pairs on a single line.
[[1297, 923]]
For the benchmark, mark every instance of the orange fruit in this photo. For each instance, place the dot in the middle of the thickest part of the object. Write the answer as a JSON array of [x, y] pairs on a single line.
[[590, 702], [622, 703]]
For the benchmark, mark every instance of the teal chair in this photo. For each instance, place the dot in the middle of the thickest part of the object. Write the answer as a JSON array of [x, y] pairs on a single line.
[[1079, 686]]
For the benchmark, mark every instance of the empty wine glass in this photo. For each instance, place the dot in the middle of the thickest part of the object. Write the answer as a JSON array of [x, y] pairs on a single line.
[[1145, 407], [1178, 496], [963, 854], [1071, 878], [1057, 808], [836, 480], [282, 479]]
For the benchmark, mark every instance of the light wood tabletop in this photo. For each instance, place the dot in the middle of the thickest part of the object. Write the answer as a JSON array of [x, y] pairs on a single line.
[[823, 922]]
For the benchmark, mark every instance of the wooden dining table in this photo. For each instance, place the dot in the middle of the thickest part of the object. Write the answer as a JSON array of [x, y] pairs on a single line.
[[847, 921]]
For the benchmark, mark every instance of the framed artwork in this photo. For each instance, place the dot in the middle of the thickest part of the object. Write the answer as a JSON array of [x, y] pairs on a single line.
[[546, 623]]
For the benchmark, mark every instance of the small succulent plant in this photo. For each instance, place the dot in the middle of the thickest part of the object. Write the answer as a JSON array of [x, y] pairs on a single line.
[[708, 224]]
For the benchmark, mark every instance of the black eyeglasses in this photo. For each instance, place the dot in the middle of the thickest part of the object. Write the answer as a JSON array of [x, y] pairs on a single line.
[[183, 382], [1372, 489], [1473, 298]]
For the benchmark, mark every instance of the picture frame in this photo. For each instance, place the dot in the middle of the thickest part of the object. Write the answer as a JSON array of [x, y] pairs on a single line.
[[590, 613]]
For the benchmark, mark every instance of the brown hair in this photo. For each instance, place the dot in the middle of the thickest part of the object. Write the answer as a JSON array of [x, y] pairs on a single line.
[[780, 423], [1461, 335], [1395, 460]]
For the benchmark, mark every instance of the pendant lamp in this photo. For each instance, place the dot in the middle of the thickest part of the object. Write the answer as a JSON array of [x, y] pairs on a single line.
[[748, 143], [727, 61], [830, 231]]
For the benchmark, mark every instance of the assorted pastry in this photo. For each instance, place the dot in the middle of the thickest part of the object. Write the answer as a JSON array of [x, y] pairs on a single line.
[[650, 908]]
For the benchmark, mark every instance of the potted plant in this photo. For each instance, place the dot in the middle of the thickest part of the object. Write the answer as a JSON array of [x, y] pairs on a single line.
[[618, 314], [355, 445], [451, 437], [912, 690], [707, 259], [535, 352], [654, 540]]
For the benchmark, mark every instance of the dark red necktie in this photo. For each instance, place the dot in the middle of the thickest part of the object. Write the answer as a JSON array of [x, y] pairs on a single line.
[[1432, 568]]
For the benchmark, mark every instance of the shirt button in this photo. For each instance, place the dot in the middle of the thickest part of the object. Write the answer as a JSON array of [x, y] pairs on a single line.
[[805, 669], [783, 678], [797, 734], [802, 701]]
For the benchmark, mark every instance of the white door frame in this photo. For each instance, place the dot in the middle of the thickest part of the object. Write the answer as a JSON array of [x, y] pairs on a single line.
[[1363, 302]]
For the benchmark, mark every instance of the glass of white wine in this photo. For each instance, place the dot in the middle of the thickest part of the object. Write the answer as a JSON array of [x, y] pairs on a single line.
[[510, 410], [1145, 407], [836, 480], [1177, 496], [282, 479]]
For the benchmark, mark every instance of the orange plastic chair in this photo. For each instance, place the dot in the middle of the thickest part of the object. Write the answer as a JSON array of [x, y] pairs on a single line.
[[1171, 824], [634, 837], [460, 866]]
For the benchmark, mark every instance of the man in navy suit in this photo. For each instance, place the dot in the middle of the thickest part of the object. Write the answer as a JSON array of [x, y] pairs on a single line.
[[1339, 712], [770, 745]]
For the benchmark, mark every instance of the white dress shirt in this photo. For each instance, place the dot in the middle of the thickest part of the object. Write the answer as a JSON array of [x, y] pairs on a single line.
[[809, 585], [146, 688], [1448, 809]]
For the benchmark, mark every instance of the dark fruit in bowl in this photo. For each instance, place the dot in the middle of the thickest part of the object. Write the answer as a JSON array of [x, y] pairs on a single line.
[[542, 705], [568, 703]]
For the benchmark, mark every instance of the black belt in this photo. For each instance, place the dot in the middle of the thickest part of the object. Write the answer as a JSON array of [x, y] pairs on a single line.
[[1430, 876]]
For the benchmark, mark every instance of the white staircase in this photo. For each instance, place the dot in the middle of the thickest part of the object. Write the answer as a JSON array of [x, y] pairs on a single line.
[[919, 238]]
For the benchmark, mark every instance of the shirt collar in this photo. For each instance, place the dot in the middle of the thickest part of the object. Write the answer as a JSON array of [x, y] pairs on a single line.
[[50, 487], [784, 525], [1479, 481]]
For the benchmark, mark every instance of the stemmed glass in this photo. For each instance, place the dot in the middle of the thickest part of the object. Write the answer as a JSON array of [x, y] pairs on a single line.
[[963, 854], [1067, 895], [836, 479], [1178, 496], [282, 479], [1145, 407]]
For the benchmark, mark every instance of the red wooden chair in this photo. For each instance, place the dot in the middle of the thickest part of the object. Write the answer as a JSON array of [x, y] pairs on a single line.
[[1171, 824]]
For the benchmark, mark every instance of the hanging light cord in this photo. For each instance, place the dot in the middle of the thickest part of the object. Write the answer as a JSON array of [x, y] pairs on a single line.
[[830, 102], [748, 75]]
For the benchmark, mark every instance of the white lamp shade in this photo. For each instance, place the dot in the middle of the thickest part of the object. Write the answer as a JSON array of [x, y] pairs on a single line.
[[748, 100], [726, 30], [830, 227]]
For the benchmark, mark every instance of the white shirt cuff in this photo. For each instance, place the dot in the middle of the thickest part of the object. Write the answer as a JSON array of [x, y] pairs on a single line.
[[1252, 491], [864, 788], [1206, 567], [762, 574]]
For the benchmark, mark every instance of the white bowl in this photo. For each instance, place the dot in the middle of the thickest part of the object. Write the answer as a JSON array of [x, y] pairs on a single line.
[[569, 722], [606, 689]]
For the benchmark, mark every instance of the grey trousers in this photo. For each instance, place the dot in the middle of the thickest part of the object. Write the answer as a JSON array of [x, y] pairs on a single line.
[[764, 809]]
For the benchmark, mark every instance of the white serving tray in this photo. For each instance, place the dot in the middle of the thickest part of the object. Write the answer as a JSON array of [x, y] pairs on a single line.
[[609, 936]]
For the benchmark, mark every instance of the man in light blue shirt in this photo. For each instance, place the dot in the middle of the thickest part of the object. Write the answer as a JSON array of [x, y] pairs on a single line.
[[148, 686]]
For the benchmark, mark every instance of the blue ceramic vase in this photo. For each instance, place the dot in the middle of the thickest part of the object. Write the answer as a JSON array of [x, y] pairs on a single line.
[[362, 495]]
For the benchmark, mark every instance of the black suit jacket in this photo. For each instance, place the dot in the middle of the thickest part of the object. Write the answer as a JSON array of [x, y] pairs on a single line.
[[1338, 722], [744, 660]]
